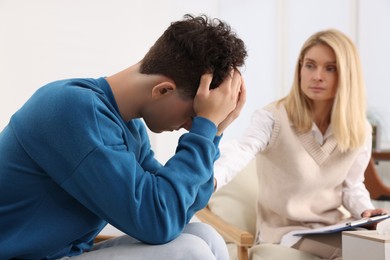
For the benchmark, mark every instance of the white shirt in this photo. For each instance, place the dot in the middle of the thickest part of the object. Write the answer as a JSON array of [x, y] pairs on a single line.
[[238, 153]]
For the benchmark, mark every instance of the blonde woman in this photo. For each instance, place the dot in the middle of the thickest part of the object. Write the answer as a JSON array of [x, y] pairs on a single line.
[[311, 148]]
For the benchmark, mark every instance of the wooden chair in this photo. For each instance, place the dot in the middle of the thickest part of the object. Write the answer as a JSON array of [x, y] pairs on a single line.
[[243, 239], [374, 183], [102, 237], [232, 212]]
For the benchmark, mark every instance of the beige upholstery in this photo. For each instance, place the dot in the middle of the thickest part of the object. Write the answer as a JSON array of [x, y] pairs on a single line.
[[236, 202]]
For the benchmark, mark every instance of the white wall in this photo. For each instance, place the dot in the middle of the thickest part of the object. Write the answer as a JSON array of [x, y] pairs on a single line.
[[45, 40], [374, 43]]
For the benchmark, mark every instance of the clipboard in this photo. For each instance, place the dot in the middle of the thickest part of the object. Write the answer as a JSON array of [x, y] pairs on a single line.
[[342, 226]]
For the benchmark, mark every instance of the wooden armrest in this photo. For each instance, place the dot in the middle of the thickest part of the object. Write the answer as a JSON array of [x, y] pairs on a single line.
[[377, 188], [228, 231], [381, 155], [101, 238]]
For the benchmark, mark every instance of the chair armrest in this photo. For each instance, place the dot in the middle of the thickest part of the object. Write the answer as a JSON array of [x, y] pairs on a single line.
[[381, 155], [101, 238], [376, 187], [228, 231]]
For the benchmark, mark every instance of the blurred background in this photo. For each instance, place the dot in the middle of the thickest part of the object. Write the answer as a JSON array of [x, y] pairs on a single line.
[[47, 40]]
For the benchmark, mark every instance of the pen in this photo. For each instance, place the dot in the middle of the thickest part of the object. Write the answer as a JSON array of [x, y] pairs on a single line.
[[357, 222]]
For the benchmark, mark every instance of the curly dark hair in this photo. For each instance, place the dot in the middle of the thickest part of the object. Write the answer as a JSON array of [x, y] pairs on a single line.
[[192, 47]]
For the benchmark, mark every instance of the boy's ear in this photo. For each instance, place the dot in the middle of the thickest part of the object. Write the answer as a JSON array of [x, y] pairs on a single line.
[[162, 89]]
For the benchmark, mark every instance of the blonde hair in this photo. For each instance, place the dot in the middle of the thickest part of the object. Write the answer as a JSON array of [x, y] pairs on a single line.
[[348, 115]]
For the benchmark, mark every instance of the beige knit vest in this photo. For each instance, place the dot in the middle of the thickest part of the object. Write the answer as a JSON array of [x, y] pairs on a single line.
[[300, 181]]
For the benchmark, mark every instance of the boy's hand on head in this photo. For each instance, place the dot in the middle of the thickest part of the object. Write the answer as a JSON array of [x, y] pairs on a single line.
[[236, 112], [217, 104]]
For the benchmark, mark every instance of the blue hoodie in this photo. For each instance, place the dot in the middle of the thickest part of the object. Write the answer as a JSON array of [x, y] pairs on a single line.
[[69, 164]]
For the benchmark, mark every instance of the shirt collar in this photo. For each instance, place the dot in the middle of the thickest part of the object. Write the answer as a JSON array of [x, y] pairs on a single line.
[[318, 135]]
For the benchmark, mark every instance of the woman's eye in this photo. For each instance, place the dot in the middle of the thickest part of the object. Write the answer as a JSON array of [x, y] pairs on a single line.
[[309, 65], [331, 69]]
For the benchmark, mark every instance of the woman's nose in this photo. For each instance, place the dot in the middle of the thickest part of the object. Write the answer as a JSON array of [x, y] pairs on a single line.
[[318, 74]]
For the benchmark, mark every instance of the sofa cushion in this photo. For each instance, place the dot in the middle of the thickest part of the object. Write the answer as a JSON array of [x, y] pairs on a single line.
[[236, 201]]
